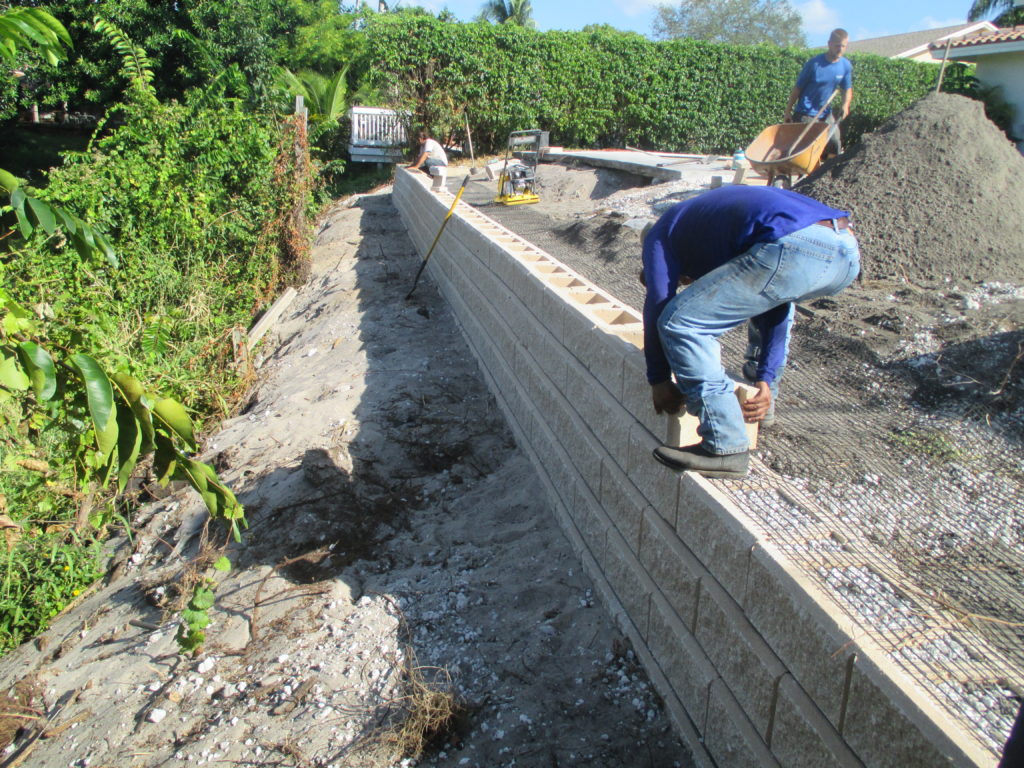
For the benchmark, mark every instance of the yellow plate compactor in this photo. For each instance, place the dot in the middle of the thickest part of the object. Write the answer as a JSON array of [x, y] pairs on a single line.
[[518, 178]]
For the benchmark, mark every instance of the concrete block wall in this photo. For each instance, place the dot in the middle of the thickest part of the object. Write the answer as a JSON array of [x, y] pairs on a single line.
[[754, 662]]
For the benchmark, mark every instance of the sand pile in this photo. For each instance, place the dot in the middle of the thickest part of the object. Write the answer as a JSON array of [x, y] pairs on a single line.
[[937, 193]]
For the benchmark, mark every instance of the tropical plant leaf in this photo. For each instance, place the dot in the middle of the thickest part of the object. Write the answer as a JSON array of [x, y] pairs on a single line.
[[100, 395], [43, 214], [165, 459], [222, 564], [40, 367], [133, 394], [8, 181], [172, 415], [336, 95], [136, 65], [11, 375], [129, 441], [32, 28], [154, 339]]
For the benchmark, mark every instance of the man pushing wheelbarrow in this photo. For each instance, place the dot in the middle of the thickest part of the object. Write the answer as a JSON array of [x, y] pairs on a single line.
[[795, 147]]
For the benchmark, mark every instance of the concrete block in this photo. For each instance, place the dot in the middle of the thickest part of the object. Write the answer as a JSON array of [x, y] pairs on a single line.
[[659, 484], [712, 530], [504, 335], [513, 311], [739, 653], [506, 268], [547, 353], [555, 463], [729, 736], [894, 725], [603, 414], [599, 352], [546, 399], [592, 524], [801, 736], [577, 328], [631, 584], [636, 396], [681, 659], [672, 566], [584, 449], [623, 503], [550, 308], [809, 640]]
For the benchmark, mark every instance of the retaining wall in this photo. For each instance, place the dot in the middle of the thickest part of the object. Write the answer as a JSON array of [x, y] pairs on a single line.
[[756, 665]]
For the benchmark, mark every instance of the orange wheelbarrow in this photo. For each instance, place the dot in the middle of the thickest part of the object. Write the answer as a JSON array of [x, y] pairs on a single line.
[[787, 150]]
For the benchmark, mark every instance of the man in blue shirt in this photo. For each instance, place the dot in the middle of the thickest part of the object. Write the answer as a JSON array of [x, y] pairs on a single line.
[[818, 79], [744, 253]]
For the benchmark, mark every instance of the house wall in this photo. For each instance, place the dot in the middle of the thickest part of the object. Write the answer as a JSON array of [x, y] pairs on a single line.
[[1007, 71], [756, 666]]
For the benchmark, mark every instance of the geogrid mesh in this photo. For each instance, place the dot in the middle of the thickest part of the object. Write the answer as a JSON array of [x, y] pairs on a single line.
[[911, 518]]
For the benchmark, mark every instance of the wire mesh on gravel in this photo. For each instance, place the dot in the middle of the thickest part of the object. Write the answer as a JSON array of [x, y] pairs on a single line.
[[909, 515]]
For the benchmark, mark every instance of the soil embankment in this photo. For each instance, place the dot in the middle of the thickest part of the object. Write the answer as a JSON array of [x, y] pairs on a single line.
[[937, 195]]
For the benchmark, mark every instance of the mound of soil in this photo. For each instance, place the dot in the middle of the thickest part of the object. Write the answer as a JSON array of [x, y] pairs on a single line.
[[560, 182], [936, 195]]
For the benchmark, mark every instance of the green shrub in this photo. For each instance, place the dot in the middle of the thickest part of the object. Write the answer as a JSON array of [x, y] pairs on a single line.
[[608, 88], [206, 208], [188, 194]]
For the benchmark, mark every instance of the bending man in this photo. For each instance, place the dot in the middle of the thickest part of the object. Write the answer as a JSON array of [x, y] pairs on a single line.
[[750, 252]]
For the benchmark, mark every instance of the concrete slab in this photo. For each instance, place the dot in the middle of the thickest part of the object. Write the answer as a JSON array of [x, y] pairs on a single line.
[[657, 167]]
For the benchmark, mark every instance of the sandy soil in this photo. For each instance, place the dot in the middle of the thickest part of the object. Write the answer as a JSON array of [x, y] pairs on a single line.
[[402, 588]]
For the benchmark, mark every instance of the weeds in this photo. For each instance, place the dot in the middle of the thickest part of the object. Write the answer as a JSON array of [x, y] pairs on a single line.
[[933, 444]]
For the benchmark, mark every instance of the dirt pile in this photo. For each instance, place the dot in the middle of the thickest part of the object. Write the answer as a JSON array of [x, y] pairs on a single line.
[[936, 193]]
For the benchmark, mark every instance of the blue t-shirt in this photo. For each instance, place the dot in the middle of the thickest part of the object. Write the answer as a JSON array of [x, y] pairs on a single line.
[[817, 80], [702, 233]]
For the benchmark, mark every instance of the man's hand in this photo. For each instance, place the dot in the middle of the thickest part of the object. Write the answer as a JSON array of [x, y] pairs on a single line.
[[667, 398], [757, 406]]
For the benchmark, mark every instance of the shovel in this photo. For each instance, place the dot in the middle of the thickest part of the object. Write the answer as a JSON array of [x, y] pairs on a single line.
[[808, 126], [447, 216]]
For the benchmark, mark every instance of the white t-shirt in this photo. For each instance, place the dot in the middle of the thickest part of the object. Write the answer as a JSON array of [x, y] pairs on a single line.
[[435, 153]]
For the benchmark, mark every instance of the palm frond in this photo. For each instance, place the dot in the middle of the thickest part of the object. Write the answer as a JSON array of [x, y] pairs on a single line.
[[33, 28], [136, 65]]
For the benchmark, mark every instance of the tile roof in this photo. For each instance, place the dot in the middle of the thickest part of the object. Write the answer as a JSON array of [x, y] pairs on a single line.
[[983, 38], [893, 45]]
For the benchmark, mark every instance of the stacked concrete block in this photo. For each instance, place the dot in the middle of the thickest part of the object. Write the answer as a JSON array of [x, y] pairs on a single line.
[[755, 664]]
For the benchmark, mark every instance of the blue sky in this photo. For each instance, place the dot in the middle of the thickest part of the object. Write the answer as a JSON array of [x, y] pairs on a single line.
[[862, 18]]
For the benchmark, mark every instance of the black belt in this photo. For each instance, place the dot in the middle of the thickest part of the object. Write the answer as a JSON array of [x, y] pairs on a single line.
[[841, 223]]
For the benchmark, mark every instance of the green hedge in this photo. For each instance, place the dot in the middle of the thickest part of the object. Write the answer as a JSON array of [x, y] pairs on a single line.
[[609, 88]]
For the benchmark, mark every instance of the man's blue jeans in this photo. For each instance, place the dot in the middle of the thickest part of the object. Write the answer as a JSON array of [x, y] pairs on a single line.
[[812, 262]]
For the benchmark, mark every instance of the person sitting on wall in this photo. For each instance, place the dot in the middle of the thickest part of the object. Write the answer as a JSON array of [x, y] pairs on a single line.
[[432, 160]]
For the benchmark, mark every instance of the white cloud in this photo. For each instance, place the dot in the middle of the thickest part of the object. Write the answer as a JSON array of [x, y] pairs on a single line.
[[818, 18], [929, 22], [637, 7]]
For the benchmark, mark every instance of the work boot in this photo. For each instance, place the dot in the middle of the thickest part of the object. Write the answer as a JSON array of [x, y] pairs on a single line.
[[695, 458]]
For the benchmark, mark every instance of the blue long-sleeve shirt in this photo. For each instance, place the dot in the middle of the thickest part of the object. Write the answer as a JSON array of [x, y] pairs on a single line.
[[704, 232]]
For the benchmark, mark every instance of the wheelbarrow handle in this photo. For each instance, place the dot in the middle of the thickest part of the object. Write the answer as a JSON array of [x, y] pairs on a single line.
[[808, 126]]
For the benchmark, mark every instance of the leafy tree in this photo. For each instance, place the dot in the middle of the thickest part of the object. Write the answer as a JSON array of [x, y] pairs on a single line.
[[1010, 14], [731, 21], [322, 38], [232, 33], [517, 12]]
